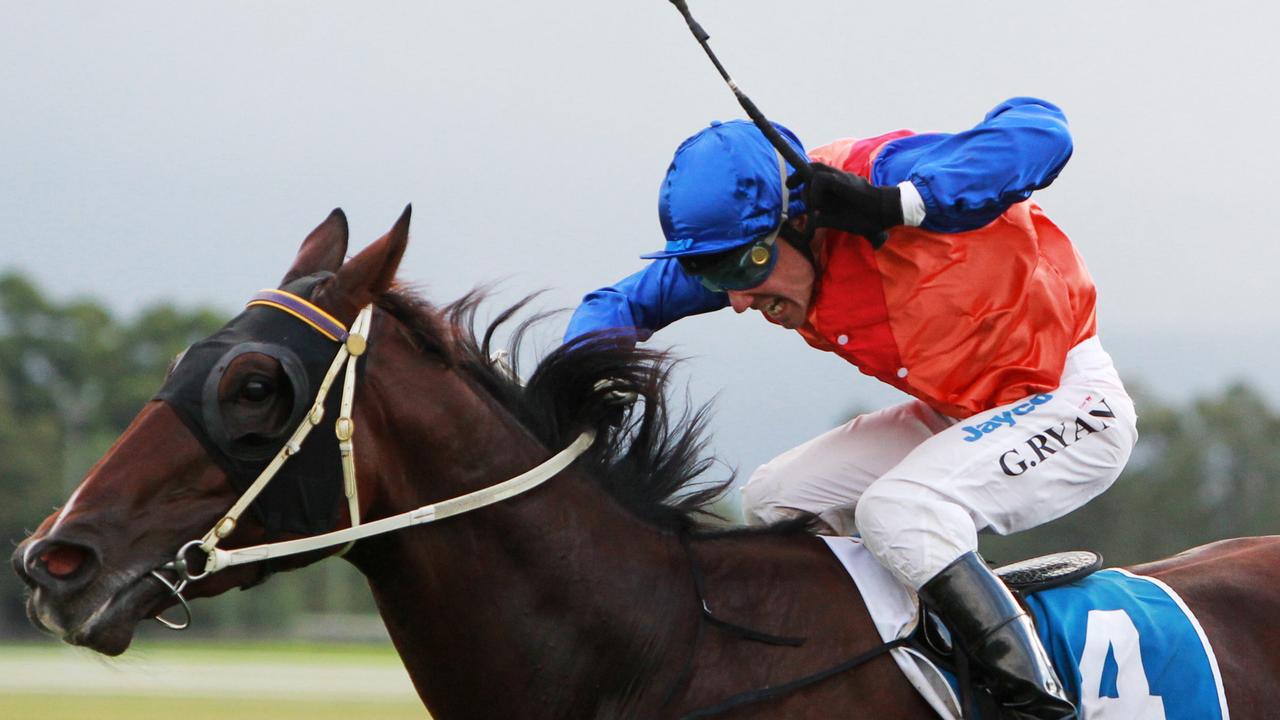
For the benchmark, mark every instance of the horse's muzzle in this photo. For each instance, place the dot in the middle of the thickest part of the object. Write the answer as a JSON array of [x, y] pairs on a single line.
[[72, 598]]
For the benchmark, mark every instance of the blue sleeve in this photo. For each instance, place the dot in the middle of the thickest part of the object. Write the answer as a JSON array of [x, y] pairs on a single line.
[[649, 300], [968, 179]]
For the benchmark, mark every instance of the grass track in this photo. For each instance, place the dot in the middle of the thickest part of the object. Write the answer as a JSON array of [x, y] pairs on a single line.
[[182, 681], [102, 707]]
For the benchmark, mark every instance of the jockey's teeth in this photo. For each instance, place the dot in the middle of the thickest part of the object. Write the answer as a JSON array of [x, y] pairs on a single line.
[[773, 308]]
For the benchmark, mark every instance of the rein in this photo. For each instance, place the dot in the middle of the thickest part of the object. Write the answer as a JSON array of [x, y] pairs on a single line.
[[353, 344], [752, 697], [765, 694]]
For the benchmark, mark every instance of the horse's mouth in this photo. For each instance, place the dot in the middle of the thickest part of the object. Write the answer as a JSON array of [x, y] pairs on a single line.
[[103, 618]]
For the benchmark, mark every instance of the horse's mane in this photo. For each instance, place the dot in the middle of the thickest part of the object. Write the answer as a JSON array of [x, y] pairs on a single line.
[[646, 456]]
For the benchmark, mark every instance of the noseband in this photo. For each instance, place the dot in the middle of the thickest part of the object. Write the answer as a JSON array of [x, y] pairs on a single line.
[[353, 343]]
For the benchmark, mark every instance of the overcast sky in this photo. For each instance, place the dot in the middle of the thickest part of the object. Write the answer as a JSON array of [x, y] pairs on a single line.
[[180, 151]]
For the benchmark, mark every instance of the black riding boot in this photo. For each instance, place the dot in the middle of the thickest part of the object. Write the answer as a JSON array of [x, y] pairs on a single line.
[[999, 637]]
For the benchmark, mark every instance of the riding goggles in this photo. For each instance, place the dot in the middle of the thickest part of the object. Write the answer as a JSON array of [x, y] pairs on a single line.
[[740, 268]]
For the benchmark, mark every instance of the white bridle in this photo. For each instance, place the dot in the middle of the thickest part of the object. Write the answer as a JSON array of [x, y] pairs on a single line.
[[353, 346]]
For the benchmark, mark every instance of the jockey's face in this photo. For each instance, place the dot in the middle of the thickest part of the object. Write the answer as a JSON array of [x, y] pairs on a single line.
[[783, 298]]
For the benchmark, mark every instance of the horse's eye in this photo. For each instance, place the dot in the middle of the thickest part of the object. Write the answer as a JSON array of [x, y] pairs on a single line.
[[257, 389]]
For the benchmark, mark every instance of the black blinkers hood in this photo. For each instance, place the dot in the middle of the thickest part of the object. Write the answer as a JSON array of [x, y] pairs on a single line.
[[305, 495]]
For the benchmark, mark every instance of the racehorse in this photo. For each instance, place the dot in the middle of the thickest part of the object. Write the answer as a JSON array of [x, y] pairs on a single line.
[[598, 594]]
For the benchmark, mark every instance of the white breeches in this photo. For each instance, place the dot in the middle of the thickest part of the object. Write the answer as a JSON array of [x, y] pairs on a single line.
[[918, 486]]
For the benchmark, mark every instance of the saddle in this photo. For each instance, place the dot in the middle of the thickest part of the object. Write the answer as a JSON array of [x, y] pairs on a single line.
[[1046, 571]]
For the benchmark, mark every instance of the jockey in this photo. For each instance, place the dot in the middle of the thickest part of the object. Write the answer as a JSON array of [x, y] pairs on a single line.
[[919, 259]]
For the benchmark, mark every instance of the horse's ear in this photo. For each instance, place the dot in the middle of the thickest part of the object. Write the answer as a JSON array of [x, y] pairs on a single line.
[[323, 250], [370, 273]]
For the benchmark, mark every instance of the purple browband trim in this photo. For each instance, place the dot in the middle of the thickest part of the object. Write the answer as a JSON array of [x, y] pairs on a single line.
[[303, 310]]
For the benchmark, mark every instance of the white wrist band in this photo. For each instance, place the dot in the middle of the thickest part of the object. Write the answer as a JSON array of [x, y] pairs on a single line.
[[912, 204]]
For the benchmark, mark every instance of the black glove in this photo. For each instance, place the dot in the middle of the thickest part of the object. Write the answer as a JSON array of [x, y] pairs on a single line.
[[841, 200]]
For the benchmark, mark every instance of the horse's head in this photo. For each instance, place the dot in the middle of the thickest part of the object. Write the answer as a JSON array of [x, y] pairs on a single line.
[[227, 407]]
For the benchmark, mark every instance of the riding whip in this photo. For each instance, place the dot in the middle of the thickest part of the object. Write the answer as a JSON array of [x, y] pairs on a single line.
[[798, 161]]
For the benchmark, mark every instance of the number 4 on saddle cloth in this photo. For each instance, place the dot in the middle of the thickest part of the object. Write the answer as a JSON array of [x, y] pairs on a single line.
[[1125, 646]]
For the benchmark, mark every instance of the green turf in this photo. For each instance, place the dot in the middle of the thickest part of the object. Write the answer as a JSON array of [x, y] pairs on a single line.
[[227, 651], [17, 703], [265, 650], [98, 707]]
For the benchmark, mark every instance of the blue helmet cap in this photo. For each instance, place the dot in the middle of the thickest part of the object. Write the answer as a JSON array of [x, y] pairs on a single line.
[[723, 189]]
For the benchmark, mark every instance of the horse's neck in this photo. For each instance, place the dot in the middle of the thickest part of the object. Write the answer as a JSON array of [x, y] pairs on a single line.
[[557, 597]]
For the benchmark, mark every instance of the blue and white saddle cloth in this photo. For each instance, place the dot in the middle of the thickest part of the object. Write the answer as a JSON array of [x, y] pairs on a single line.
[[1125, 646]]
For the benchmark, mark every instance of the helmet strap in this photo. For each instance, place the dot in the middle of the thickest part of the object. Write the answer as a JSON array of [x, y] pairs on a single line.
[[801, 240]]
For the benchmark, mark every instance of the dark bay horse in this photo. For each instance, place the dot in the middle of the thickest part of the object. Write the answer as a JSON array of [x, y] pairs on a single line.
[[573, 600]]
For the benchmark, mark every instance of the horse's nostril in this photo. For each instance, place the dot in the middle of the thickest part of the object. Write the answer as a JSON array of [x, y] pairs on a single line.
[[59, 568], [62, 561]]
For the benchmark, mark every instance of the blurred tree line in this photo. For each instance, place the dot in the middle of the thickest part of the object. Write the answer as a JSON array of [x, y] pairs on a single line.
[[72, 376]]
